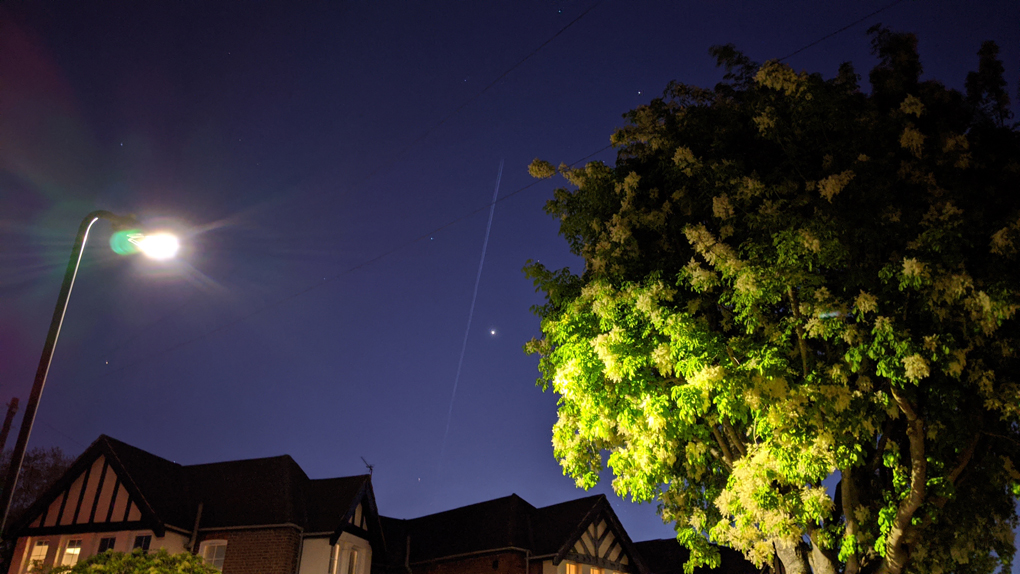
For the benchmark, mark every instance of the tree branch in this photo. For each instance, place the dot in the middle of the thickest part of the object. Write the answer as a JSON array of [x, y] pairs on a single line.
[[896, 551], [876, 459], [727, 456], [822, 561], [791, 555], [799, 329], [964, 459], [848, 494], [738, 444]]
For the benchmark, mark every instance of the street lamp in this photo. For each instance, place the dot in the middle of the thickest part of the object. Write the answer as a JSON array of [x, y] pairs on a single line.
[[127, 239]]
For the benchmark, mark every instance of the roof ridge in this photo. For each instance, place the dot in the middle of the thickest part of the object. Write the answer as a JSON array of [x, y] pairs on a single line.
[[339, 477], [110, 439], [510, 497], [258, 458], [594, 498], [128, 480]]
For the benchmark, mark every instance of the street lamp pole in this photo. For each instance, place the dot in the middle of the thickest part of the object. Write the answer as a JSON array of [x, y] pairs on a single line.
[[18, 456]]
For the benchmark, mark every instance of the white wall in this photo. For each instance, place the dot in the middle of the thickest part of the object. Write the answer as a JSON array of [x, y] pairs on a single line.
[[316, 554]]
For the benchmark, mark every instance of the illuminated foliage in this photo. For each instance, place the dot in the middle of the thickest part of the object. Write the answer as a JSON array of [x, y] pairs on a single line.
[[788, 280], [139, 562]]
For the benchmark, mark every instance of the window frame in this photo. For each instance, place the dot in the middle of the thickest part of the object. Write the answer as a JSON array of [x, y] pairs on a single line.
[[204, 547], [340, 558], [146, 542], [77, 542], [34, 562], [112, 546]]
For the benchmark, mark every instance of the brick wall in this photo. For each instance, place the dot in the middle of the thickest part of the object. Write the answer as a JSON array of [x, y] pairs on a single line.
[[495, 563], [261, 551]]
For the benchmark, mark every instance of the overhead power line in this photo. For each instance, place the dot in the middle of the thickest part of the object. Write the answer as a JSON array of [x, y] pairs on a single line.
[[330, 278], [843, 29], [467, 215]]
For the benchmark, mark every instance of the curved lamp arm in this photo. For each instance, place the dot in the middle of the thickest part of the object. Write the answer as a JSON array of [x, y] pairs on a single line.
[[18, 456]]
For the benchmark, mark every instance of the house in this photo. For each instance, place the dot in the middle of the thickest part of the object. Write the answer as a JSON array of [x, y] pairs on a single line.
[[509, 536], [260, 516], [265, 516]]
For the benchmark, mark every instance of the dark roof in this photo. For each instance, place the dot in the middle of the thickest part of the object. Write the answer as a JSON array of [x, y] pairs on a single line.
[[554, 524], [258, 491], [498, 523], [667, 556], [330, 494], [508, 522], [157, 480], [249, 492]]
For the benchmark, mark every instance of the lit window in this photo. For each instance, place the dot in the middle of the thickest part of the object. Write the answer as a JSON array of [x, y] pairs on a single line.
[[213, 552], [595, 570], [39, 552], [573, 568], [142, 542], [71, 552], [107, 544]]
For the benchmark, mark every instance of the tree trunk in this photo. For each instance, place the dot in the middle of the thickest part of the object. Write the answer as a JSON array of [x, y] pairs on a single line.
[[793, 556], [822, 561], [897, 548]]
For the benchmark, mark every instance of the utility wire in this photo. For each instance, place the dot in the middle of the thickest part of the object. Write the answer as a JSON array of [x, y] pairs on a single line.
[[331, 278], [843, 29], [405, 244], [396, 156], [400, 153]]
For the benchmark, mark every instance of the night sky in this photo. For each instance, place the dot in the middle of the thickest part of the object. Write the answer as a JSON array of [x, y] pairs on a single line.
[[330, 166]]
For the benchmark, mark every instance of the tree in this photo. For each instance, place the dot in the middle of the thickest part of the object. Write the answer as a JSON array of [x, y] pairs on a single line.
[[39, 470], [790, 282], [139, 562]]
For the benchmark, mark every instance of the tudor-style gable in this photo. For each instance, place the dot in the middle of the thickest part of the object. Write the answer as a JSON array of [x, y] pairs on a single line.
[[96, 494], [361, 517], [344, 531], [600, 540], [599, 546]]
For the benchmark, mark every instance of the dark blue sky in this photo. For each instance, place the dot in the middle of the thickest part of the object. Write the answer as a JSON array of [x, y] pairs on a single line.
[[296, 143]]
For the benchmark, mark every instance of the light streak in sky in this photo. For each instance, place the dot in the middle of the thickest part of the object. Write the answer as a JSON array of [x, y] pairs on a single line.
[[471, 313]]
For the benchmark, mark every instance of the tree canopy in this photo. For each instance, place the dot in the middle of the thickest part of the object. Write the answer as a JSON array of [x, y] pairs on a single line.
[[39, 470], [789, 282]]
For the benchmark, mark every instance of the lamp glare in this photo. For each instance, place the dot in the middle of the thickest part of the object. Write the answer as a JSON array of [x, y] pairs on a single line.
[[159, 245]]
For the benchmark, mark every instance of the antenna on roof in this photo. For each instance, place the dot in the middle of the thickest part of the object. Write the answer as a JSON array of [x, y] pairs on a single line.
[[369, 466]]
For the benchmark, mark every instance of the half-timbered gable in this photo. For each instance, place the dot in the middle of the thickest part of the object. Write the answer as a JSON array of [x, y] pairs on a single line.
[[344, 526], [600, 542], [97, 494], [258, 516]]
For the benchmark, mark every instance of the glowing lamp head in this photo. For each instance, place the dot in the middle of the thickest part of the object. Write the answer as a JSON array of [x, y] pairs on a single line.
[[156, 246], [159, 245]]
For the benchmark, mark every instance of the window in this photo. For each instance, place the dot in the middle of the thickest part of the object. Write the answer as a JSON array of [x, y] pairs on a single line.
[[352, 562], [39, 552], [213, 552], [71, 552], [107, 544], [573, 568], [142, 542], [344, 559]]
